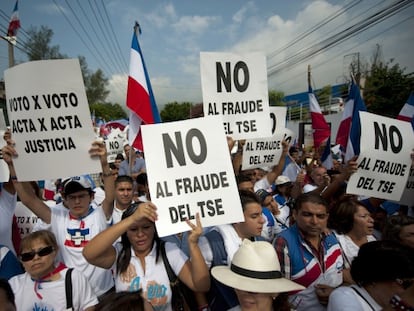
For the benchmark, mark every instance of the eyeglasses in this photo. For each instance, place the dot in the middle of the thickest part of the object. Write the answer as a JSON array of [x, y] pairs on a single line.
[[41, 253], [71, 197]]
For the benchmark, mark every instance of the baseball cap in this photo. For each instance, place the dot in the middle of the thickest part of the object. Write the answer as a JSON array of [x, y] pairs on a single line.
[[75, 184], [262, 194]]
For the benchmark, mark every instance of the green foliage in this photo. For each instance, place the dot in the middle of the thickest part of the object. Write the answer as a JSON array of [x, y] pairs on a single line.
[[276, 98], [387, 88], [108, 111], [38, 44], [175, 111], [38, 48]]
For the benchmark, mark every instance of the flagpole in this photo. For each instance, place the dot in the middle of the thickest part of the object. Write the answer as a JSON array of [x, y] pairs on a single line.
[[309, 76], [11, 54]]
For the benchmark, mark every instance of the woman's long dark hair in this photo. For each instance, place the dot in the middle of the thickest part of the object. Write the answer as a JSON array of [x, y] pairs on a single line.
[[124, 257]]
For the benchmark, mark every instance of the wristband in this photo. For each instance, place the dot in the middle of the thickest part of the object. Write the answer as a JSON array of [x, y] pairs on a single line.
[[13, 178]]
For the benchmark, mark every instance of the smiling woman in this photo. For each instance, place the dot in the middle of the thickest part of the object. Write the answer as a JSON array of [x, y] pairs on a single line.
[[42, 287]]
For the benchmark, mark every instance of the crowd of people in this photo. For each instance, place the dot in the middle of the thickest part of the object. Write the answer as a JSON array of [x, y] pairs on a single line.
[[304, 244]]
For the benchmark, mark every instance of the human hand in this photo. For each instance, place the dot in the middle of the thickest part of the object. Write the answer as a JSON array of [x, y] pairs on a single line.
[[98, 149], [196, 230], [145, 210], [9, 152]]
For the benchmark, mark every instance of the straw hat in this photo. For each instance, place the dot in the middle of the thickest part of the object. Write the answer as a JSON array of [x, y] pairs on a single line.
[[255, 268]]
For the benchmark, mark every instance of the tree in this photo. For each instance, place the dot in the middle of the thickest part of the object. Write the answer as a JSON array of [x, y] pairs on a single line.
[[108, 111], [38, 45], [38, 48], [276, 98], [387, 88], [175, 111]]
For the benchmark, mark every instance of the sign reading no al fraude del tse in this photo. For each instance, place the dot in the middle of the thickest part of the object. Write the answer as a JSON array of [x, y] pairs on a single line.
[[384, 162], [50, 120], [190, 171], [235, 87]]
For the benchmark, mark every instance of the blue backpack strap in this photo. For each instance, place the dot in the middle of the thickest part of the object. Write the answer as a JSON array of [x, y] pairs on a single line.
[[220, 297]]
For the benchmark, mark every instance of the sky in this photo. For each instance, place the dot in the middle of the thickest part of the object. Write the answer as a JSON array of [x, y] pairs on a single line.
[[292, 34]]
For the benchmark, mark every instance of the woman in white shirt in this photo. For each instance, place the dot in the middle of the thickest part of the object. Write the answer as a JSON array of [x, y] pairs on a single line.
[[137, 262], [353, 226], [383, 270], [43, 287]]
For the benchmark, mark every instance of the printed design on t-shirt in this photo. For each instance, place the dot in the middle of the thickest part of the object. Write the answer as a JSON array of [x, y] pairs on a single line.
[[129, 274], [77, 237], [156, 294], [40, 306]]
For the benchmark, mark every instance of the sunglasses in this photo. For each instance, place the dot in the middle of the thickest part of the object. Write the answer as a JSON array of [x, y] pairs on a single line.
[[41, 253]]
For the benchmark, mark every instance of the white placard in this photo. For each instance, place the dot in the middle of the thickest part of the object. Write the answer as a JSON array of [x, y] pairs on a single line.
[[189, 170], [266, 151], [384, 161], [115, 144], [50, 120], [235, 87]]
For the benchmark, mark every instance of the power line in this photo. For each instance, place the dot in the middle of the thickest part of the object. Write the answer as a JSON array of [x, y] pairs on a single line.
[[337, 38]]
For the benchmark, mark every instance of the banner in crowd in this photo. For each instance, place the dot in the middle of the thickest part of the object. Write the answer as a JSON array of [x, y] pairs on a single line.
[[235, 87], [49, 119], [115, 142], [384, 161], [266, 151], [190, 171]]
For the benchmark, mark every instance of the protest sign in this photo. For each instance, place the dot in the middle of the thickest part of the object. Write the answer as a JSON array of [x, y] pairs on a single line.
[[407, 197], [115, 144], [189, 171], [266, 151], [384, 161], [49, 119], [235, 87]]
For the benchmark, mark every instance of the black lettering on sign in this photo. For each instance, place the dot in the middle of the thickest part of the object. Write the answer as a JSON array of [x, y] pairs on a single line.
[[19, 103], [226, 79], [394, 136], [177, 148]]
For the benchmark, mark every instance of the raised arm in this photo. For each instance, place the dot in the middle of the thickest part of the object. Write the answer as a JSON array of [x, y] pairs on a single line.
[[100, 250], [278, 169], [99, 149], [195, 273], [24, 189]]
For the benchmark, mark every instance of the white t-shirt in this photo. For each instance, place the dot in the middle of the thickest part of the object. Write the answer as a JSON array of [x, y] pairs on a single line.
[[72, 235], [53, 293], [349, 248], [7, 207], [154, 280], [345, 298]]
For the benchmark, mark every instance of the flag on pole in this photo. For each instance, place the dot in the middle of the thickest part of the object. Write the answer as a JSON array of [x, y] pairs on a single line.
[[140, 98], [349, 131], [14, 24], [321, 131], [407, 111]]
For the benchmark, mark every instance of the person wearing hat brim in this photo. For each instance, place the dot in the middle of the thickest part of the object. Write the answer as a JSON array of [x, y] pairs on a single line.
[[255, 275]]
